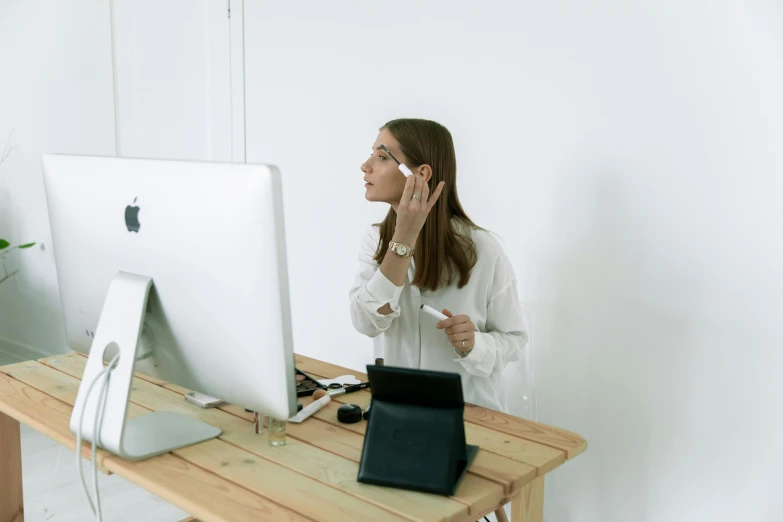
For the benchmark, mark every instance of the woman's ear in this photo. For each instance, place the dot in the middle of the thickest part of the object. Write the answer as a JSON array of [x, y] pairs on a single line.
[[426, 172]]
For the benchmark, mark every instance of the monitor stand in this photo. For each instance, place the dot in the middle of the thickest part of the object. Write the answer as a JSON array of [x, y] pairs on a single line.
[[120, 326]]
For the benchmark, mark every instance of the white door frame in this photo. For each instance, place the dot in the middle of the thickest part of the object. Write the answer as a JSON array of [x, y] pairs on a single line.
[[235, 13], [238, 129]]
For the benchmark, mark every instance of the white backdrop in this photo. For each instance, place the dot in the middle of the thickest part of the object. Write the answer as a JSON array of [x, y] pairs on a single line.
[[55, 96], [174, 79], [630, 156]]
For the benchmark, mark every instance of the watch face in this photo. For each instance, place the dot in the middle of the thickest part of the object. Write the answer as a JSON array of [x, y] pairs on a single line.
[[402, 250]]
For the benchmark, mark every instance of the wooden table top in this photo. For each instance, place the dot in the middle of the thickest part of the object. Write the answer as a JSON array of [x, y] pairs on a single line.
[[239, 477]]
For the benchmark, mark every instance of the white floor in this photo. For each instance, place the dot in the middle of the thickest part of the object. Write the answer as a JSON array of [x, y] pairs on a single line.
[[53, 493]]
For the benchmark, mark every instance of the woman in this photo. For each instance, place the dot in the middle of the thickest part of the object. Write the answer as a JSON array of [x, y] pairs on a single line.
[[427, 251]]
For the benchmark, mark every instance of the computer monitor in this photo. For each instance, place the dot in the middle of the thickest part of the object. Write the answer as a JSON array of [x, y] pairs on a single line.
[[189, 260]]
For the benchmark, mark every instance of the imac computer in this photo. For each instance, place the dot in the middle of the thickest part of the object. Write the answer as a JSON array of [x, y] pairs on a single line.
[[179, 268]]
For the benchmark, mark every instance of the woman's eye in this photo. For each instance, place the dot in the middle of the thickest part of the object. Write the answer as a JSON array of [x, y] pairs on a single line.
[[382, 157]]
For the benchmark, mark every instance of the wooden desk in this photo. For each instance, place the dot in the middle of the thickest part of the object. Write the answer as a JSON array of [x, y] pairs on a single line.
[[239, 477]]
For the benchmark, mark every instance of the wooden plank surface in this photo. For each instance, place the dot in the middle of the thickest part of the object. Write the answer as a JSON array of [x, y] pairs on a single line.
[[11, 499], [325, 369], [166, 475], [476, 492], [65, 438], [543, 458], [533, 457], [240, 467], [566, 441], [570, 443], [313, 476], [271, 475], [318, 464], [510, 474], [488, 484], [540, 458]]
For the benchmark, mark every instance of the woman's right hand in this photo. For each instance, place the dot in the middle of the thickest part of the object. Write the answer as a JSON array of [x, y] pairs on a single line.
[[414, 207]]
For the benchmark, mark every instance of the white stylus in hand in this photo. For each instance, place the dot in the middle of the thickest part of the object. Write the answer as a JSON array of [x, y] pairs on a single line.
[[434, 313]]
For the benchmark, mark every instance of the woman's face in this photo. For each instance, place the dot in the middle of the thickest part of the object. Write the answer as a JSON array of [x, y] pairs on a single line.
[[383, 180]]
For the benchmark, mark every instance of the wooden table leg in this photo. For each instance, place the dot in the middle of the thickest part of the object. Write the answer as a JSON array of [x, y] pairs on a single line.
[[500, 514], [11, 501], [528, 505]]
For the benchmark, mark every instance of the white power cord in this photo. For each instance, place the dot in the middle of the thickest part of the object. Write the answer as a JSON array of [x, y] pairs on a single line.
[[95, 508], [47, 516]]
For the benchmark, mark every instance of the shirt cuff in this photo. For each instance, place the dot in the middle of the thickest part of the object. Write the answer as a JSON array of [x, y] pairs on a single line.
[[473, 361], [383, 291]]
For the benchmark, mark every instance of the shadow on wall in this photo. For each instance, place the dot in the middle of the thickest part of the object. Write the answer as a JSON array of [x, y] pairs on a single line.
[[29, 303], [6, 223], [520, 375], [607, 344], [22, 303]]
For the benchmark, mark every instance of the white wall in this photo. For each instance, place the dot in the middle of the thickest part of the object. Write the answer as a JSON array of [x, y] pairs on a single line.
[[173, 63], [56, 96], [629, 154], [173, 68]]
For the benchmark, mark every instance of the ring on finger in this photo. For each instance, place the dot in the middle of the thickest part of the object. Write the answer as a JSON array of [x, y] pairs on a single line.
[[416, 197]]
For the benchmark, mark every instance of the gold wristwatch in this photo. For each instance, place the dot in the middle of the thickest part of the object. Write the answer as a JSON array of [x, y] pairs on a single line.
[[401, 249]]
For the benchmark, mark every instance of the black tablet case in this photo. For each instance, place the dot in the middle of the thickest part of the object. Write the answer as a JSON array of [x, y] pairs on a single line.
[[415, 436]]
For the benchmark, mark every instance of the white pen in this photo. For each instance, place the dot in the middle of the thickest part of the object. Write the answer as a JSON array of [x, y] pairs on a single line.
[[434, 313], [311, 408]]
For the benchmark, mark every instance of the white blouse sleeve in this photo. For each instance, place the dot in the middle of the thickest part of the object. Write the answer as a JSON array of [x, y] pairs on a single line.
[[371, 290], [505, 335]]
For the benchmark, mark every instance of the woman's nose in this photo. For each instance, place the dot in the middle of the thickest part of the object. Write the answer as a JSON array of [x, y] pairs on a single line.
[[364, 167]]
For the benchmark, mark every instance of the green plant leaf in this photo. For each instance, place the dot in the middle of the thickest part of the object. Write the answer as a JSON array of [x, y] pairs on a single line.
[[28, 245], [4, 244]]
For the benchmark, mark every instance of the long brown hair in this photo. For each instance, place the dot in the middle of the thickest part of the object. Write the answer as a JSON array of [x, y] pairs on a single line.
[[442, 249]]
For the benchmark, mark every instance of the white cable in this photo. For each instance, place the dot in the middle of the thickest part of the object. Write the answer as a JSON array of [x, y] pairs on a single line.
[[79, 444], [99, 422], [51, 486], [103, 373]]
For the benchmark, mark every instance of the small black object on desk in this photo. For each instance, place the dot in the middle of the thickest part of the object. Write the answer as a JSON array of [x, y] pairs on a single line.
[[415, 437], [349, 413]]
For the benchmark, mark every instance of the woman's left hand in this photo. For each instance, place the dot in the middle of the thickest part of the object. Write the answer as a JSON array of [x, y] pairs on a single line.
[[460, 330]]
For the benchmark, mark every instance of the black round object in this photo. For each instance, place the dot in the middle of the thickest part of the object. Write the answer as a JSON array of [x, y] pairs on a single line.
[[349, 413]]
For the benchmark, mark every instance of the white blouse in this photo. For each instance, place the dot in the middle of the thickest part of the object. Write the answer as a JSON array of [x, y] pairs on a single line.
[[408, 337]]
